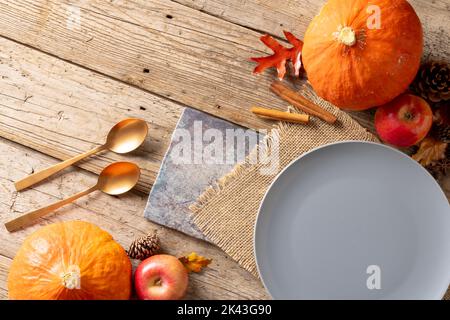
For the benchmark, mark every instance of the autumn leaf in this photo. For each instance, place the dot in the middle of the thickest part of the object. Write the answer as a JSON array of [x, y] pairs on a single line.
[[281, 55], [430, 151], [194, 262]]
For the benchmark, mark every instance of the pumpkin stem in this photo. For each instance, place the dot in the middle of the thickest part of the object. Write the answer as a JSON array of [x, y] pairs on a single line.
[[346, 35], [71, 279]]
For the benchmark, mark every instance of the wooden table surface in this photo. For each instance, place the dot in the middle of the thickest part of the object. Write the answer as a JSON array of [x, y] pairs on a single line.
[[65, 81]]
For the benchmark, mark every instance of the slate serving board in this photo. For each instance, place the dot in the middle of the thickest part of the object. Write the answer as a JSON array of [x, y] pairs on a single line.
[[179, 183]]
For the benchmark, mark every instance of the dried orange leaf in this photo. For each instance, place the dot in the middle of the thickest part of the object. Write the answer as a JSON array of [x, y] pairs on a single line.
[[194, 262], [430, 151], [281, 55]]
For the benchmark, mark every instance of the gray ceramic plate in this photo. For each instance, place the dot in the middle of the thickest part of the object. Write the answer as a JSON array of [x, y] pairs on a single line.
[[354, 220]]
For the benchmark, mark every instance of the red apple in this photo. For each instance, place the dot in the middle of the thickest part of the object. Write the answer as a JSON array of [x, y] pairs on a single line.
[[161, 277], [404, 121]]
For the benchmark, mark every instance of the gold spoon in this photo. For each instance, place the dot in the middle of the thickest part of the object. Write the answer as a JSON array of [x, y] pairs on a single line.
[[115, 179], [124, 137]]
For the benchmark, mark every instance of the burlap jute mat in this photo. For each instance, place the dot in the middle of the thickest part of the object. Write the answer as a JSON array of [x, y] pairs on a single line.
[[226, 211]]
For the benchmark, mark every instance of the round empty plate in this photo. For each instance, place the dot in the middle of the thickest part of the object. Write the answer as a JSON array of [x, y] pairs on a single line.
[[354, 220]]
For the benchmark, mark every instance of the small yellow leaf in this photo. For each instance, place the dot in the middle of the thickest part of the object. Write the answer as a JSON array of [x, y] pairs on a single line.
[[194, 262], [430, 151]]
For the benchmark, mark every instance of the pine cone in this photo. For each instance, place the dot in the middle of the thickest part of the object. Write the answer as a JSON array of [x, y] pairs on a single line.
[[441, 126], [144, 247], [432, 82]]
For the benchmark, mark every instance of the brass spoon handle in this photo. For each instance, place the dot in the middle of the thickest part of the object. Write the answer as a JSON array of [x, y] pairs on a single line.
[[41, 175], [32, 216]]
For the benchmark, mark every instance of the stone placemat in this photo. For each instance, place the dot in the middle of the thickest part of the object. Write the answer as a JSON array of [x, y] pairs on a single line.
[[179, 183], [226, 212]]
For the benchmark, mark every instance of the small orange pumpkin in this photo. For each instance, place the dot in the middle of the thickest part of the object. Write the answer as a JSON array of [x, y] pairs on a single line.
[[70, 261], [360, 54]]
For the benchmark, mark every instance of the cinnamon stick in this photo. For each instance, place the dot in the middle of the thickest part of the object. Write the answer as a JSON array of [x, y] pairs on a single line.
[[301, 102], [280, 115]]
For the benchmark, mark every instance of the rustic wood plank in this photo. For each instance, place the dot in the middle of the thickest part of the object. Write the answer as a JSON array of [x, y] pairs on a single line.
[[121, 216], [273, 17], [161, 46], [4, 266], [60, 109]]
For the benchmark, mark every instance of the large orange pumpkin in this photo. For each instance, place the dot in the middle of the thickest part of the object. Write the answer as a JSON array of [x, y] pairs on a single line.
[[362, 53], [67, 261]]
